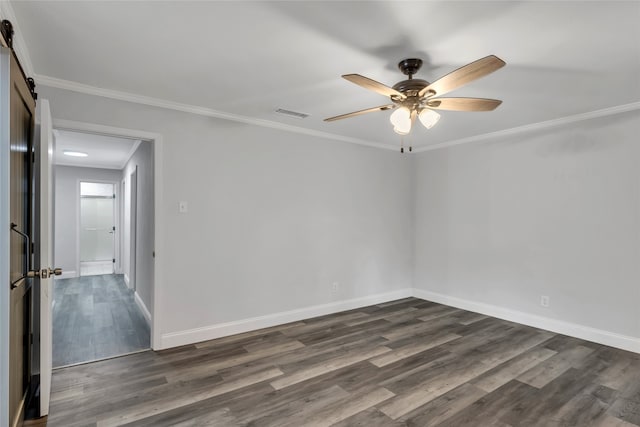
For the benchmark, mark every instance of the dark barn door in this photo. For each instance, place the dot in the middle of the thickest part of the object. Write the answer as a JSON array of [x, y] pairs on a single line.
[[21, 313]]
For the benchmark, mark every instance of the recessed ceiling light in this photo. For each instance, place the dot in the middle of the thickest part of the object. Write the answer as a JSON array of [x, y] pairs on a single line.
[[74, 153]]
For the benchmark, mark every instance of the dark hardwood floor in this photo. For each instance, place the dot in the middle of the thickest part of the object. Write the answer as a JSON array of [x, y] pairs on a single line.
[[95, 317], [404, 363]]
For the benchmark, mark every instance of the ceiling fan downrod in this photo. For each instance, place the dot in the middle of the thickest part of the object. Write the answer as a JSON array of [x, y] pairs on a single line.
[[410, 66]]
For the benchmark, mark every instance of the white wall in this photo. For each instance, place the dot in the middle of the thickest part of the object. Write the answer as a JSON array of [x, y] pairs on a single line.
[[67, 212], [553, 212], [142, 159], [274, 217]]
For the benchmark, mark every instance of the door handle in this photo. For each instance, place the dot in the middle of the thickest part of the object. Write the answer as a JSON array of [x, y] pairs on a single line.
[[45, 273]]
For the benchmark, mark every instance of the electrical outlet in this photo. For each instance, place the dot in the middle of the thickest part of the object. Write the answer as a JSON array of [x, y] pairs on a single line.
[[335, 287], [544, 300]]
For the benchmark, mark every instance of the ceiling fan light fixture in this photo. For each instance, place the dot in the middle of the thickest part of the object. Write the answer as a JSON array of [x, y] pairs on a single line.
[[428, 118], [418, 98], [401, 121]]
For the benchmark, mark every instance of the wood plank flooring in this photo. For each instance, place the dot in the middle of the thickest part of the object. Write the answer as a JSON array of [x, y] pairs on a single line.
[[95, 317], [403, 363]]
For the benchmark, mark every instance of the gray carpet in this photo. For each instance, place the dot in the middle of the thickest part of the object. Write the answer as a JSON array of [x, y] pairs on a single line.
[[95, 317]]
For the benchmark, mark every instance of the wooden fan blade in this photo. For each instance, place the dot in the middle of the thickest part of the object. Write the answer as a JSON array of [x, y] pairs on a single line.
[[463, 104], [373, 85], [357, 113], [463, 75]]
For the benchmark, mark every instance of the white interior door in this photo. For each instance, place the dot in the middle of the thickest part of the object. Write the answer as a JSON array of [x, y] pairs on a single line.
[[44, 127]]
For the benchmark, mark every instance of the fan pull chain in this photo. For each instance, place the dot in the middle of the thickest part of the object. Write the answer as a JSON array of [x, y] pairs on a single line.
[[402, 145]]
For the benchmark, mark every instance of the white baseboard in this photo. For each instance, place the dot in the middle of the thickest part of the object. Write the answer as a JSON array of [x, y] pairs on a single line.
[[174, 339], [143, 308], [67, 274], [126, 280], [587, 333]]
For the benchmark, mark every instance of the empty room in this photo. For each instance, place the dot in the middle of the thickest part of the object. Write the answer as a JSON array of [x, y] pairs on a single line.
[[320, 213]]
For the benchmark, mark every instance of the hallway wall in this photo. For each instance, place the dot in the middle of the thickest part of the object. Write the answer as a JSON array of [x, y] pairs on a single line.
[[143, 160], [274, 218]]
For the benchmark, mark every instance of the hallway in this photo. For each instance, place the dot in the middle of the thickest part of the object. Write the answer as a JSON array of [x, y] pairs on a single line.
[[95, 317]]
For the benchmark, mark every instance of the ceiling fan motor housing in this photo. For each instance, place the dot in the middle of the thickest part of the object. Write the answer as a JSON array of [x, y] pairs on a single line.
[[410, 89], [411, 86]]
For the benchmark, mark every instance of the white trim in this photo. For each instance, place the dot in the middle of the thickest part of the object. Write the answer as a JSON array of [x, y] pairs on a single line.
[[103, 130], [174, 339], [554, 325], [126, 280], [194, 109], [19, 44], [5, 199], [203, 111], [535, 126], [158, 188], [143, 308], [67, 275]]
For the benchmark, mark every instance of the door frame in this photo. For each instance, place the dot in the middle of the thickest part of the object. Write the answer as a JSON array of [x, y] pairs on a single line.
[[116, 221], [5, 142], [156, 143], [133, 228]]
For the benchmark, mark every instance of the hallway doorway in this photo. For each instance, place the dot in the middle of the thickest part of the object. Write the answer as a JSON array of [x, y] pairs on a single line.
[[97, 228], [100, 303]]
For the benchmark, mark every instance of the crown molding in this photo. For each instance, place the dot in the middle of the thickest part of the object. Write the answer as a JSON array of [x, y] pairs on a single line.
[[19, 44], [208, 112], [194, 109], [535, 126]]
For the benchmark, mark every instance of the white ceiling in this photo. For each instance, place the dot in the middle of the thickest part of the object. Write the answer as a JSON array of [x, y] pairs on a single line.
[[249, 58], [105, 152]]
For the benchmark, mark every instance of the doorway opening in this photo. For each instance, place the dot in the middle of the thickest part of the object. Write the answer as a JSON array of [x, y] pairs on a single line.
[[97, 228], [105, 249]]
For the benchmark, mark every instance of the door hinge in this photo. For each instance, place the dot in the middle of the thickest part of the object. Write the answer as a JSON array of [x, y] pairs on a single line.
[[114, 196], [114, 260]]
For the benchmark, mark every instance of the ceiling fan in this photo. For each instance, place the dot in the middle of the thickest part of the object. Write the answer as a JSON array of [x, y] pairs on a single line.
[[417, 98]]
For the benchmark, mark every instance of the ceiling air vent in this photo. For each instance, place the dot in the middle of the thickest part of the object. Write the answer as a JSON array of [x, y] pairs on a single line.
[[290, 113]]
